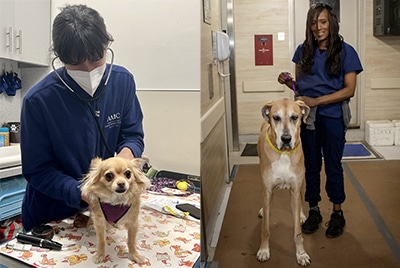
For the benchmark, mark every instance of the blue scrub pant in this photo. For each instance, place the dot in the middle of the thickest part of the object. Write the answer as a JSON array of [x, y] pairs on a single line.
[[327, 140]]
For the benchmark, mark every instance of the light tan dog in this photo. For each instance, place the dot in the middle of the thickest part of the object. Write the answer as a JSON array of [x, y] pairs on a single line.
[[282, 167], [114, 187]]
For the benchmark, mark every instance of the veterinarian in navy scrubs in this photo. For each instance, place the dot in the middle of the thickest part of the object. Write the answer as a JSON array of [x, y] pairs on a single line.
[[326, 70], [86, 109]]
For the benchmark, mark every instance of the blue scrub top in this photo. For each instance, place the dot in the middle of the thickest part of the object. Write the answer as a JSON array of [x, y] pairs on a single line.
[[319, 83]]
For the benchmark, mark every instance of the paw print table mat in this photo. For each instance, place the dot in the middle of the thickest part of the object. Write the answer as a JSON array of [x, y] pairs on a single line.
[[163, 240]]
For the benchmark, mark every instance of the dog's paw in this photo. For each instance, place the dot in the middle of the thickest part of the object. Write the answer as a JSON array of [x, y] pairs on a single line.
[[98, 258], [260, 213], [303, 259], [90, 225], [303, 217], [263, 254], [136, 257]]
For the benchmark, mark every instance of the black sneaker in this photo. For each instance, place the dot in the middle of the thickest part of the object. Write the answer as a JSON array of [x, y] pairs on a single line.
[[312, 223], [335, 225]]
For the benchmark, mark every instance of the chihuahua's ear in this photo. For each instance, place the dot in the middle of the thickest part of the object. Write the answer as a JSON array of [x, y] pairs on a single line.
[[140, 178], [91, 177], [95, 163], [142, 163], [96, 160], [94, 170]]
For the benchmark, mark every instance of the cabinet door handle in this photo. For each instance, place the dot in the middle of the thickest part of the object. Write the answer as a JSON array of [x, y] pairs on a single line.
[[19, 38], [9, 38]]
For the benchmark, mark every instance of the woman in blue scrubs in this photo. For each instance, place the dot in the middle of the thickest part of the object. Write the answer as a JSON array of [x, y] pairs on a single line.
[[326, 70]]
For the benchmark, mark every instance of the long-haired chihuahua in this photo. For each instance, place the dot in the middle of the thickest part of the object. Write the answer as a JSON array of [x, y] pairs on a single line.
[[113, 187]]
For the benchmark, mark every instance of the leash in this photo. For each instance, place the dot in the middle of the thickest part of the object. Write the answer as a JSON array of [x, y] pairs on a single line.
[[293, 84], [280, 151]]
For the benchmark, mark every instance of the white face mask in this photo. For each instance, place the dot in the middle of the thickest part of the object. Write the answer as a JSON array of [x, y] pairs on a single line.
[[89, 81]]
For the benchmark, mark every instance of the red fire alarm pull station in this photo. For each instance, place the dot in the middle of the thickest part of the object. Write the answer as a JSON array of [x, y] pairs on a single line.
[[263, 49]]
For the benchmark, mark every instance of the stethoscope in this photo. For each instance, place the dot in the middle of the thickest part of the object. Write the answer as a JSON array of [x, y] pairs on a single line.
[[95, 113]]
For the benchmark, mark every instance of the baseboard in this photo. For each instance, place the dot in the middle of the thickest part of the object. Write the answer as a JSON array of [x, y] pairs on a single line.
[[215, 222]]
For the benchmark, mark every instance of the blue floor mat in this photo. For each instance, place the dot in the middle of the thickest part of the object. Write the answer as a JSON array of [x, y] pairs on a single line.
[[355, 149]]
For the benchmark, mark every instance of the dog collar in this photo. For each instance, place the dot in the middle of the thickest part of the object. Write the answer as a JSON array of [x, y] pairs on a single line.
[[113, 213], [281, 151]]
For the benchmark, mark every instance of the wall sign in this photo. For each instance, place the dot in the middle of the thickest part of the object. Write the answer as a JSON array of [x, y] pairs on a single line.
[[263, 51], [207, 11]]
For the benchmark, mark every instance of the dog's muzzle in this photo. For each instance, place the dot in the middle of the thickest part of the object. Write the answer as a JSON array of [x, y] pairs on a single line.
[[120, 188], [286, 140]]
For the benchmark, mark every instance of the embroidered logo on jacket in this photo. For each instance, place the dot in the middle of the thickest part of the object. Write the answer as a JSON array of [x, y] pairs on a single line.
[[113, 120]]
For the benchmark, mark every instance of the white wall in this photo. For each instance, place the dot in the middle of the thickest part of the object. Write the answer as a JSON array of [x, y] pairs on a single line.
[[172, 130]]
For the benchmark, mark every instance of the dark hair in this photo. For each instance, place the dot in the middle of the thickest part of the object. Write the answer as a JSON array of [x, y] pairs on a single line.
[[333, 62], [79, 34]]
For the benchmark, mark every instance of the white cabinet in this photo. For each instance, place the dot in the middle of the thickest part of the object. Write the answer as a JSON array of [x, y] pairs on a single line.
[[6, 24], [25, 31]]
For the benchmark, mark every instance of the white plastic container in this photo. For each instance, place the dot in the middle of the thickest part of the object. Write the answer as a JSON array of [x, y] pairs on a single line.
[[379, 132], [396, 124]]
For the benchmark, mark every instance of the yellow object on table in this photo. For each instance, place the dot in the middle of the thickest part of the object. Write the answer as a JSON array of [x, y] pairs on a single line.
[[182, 185]]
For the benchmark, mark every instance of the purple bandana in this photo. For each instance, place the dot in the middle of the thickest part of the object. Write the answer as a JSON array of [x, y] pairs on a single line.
[[113, 213]]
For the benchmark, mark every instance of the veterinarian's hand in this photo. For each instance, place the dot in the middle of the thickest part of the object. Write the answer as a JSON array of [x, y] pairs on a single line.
[[85, 198], [310, 102], [126, 153]]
